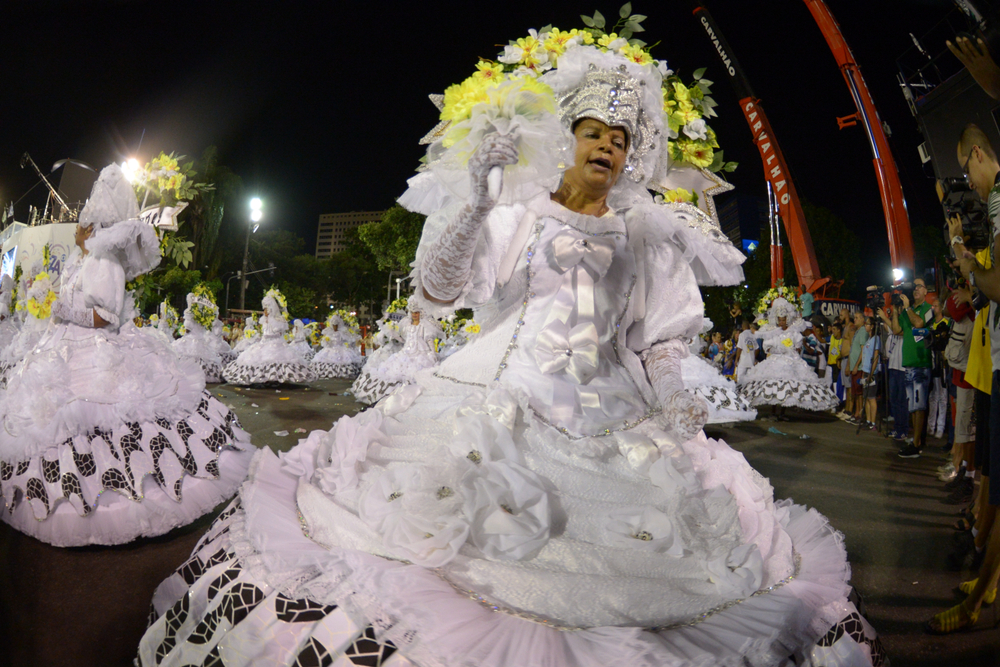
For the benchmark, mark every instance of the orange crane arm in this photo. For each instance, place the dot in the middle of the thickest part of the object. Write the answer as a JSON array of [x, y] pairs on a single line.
[[775, 169], [897, 220]]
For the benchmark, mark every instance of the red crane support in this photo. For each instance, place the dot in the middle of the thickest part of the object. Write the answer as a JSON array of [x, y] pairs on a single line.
[[897, 220], [775, 169]]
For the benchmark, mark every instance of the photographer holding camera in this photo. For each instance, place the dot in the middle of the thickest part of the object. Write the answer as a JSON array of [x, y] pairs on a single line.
[[979, 162], [910, 322]]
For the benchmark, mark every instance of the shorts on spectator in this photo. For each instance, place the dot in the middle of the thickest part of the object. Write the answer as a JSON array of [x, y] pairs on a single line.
[[856, 383], [871, 387], [918, 384], [964, 429]]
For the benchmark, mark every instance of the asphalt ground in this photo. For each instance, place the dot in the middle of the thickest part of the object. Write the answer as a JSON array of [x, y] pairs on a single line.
[[89, 606]]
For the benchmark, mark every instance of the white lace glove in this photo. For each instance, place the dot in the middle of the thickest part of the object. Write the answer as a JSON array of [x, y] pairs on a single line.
[[683, 412], [446, 266], [83, 317]]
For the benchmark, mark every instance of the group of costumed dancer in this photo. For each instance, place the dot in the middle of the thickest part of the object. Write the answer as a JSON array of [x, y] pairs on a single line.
[[543, 495]]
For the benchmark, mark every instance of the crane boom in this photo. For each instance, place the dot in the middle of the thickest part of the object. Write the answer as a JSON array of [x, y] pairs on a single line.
[[897, 220], [775, 168]]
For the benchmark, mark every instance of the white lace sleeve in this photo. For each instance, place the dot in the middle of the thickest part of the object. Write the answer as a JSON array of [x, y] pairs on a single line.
[[102, 281], [684, 412], [497, 230]]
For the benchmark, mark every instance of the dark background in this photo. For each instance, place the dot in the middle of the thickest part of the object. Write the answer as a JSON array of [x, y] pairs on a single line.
[[319, 105]]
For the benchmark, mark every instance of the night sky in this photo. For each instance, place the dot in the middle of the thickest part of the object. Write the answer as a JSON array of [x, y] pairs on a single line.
[[319, 105]]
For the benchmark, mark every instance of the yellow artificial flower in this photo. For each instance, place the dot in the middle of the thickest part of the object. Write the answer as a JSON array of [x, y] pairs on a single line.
[[697, 153], [606, 40], [556, 43], [488, 71], [165, 162], [459, 98], [681, 93], [585, 35], [531, 50], [637, 55], [685, 113], [678, 195]]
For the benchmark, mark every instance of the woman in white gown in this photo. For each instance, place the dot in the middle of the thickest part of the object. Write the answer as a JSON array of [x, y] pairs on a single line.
[[271, 359], [339, 356], [545, 496], [198, 342], [106, 435], [725, 402], [784, 379], [370, 385], [251, 335], [299, 343]]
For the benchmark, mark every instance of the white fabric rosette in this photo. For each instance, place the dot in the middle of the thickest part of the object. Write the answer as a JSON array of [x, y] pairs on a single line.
[[480, 438], [738, 573], [509, 511], [644, 528], [418, 511], [344, 448]]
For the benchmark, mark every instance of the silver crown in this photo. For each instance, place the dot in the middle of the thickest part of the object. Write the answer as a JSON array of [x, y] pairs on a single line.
[[613, 97]]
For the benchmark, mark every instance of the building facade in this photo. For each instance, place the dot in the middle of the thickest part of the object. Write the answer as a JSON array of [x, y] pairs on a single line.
[[330, 234]]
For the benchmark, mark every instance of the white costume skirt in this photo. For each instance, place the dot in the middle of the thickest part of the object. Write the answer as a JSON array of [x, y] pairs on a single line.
[[270, 360], [725, 402], [787, 380], [294, 573], [338, 361]]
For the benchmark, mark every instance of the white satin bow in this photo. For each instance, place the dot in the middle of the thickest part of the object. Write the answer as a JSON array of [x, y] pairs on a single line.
[[571, 248], [574, 350]]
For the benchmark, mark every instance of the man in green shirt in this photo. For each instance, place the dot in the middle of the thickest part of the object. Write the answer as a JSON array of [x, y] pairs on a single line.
[[911, 323]]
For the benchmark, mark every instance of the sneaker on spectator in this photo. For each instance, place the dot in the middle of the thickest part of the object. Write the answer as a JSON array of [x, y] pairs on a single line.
[[964, 545], [909, 452], [959, 476], [962, 493], [947, 473]]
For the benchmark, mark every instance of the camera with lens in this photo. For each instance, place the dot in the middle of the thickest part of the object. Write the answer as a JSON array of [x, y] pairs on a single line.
[[875, 298], [961, 201]]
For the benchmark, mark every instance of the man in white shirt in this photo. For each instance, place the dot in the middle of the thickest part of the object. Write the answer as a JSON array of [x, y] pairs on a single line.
[[746, 351]]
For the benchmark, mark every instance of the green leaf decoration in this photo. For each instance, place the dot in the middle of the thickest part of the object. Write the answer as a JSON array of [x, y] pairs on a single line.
[[599, 20], [547, 28], [638, 18], [698, 73], [625, 10], [587, 21], [634, 27], [625, 33], [730, 166]]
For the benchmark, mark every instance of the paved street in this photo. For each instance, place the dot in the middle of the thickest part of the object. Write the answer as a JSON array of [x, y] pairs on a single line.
[[89, 606]]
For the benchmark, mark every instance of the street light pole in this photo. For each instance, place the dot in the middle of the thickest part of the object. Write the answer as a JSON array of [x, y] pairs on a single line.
[[255, 216]]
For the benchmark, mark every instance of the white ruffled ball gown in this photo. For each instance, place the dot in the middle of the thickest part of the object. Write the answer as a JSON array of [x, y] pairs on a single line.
[[520, 504], [725, 402], [339, 356], [270, 359], [225, 350], [784, 378], [108, 436], [199, 344], [370, 385], [300, 344]]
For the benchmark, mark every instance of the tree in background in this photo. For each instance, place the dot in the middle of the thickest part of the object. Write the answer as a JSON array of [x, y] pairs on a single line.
[[393, 239]]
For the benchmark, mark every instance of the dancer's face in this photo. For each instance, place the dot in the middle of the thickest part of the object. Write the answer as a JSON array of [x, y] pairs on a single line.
[[600, 155]]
